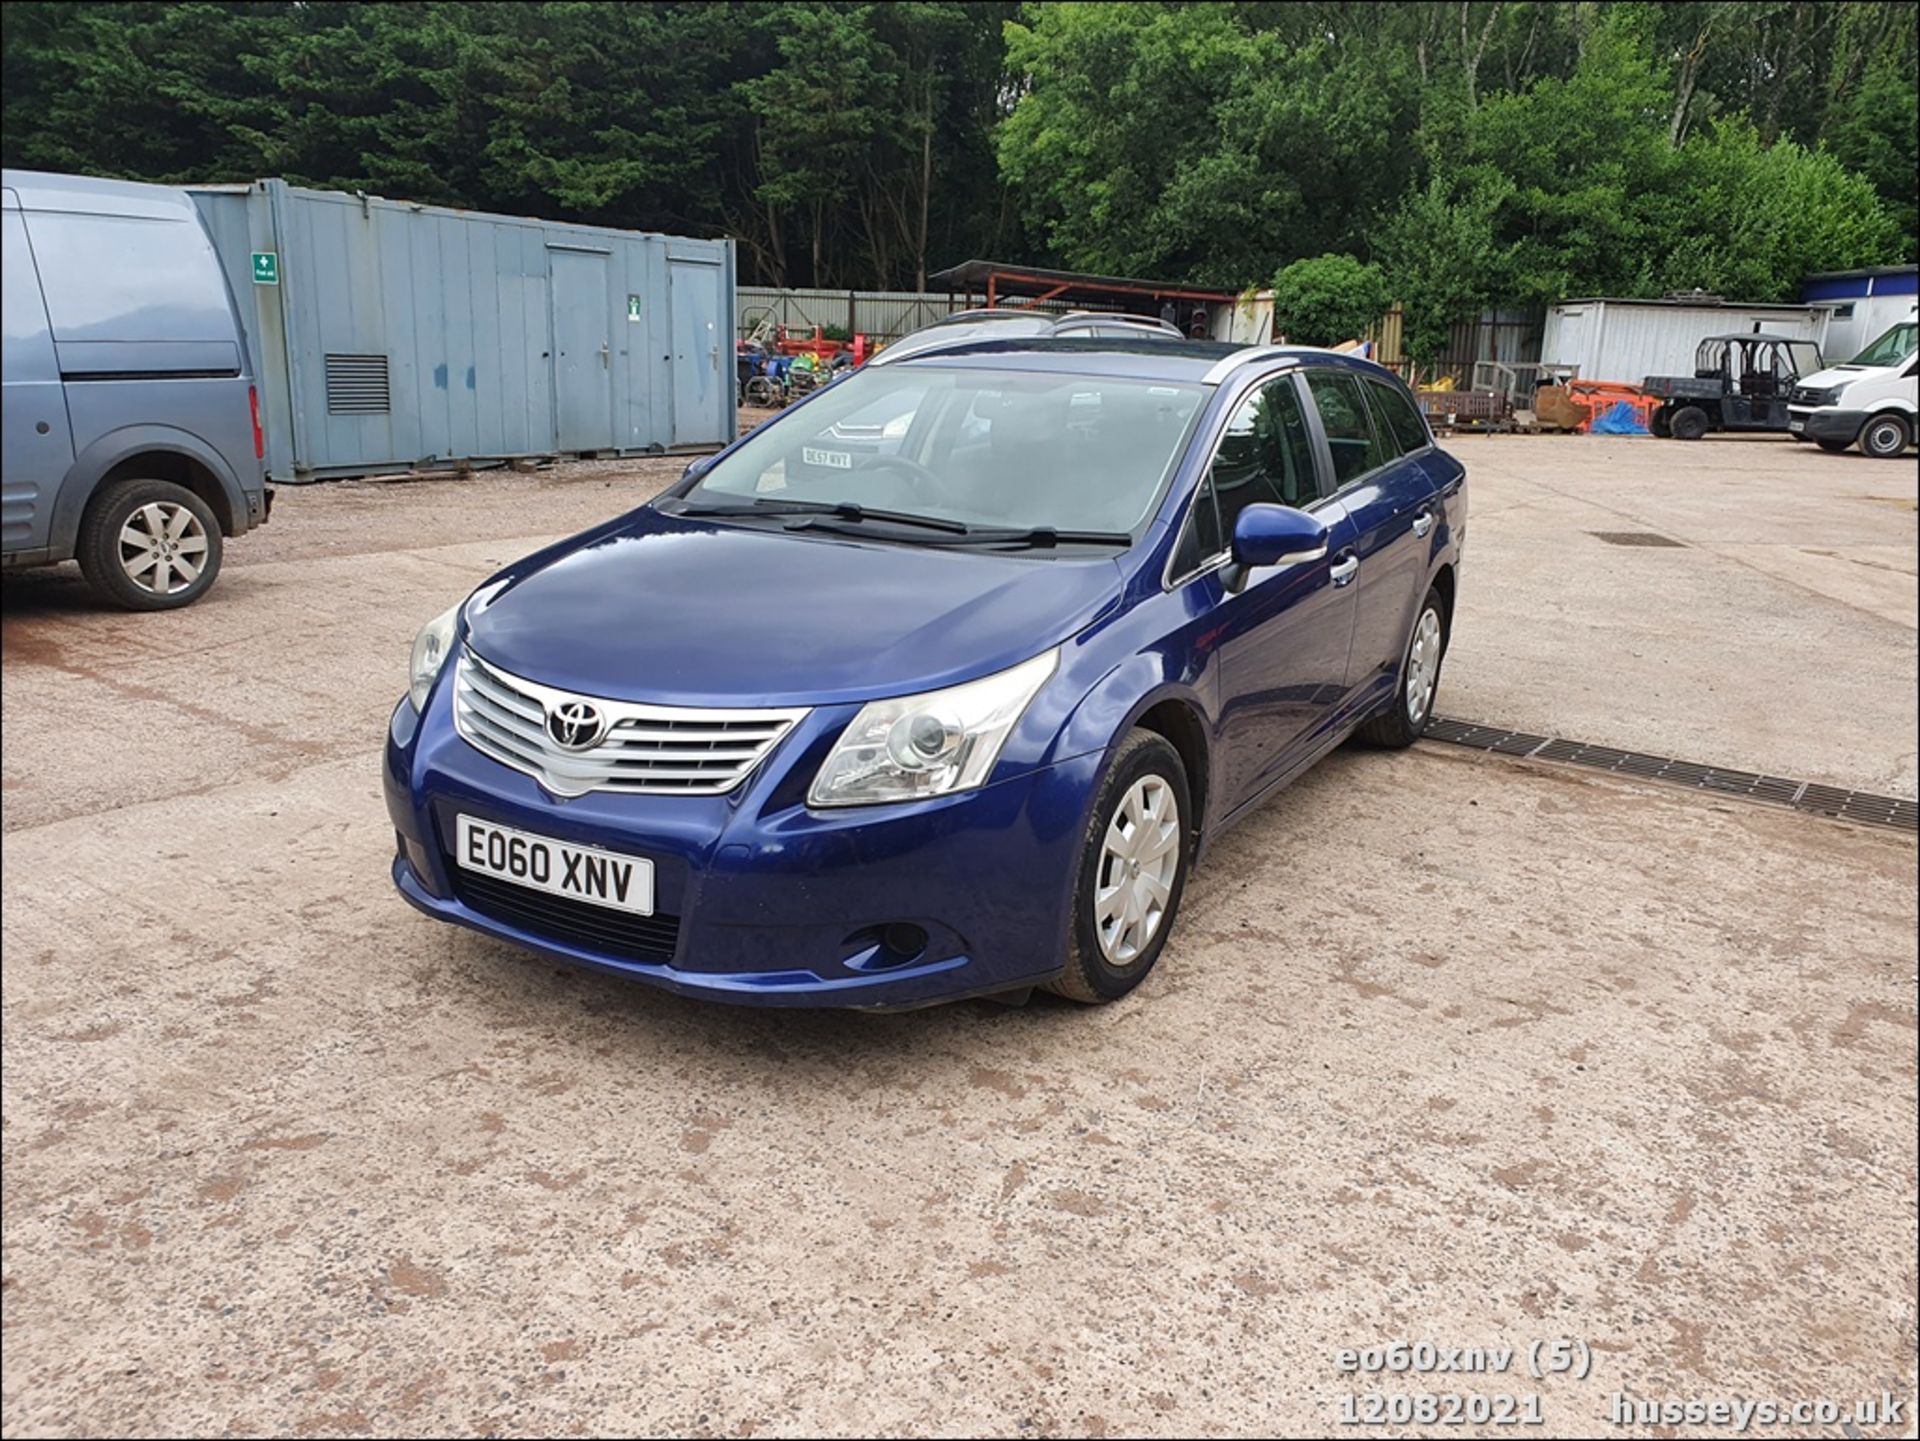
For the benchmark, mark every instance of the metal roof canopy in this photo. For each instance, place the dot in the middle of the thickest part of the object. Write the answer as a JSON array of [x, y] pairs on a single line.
[[1040, 285], [1865, 272], [1676, 303]]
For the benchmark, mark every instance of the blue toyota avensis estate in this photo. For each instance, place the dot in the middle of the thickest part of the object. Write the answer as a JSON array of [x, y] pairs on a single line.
[[938, 684]]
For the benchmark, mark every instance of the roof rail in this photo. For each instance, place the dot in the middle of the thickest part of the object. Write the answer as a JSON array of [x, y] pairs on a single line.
[[885, 354], [1226, 365]]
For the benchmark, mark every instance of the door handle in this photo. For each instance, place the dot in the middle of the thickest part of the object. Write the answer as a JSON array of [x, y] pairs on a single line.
[[603, 358], [1345, 570], [1422, 523]]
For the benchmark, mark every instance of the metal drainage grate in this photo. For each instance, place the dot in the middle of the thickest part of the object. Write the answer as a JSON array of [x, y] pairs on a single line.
[[1638, 537], [1861, 806]]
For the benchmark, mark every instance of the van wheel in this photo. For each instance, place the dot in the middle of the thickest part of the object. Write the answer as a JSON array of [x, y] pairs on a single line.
[[149, 545], [1885, 437], [1133, 867], [1403, 722], [1689, 423], [1834, 446]]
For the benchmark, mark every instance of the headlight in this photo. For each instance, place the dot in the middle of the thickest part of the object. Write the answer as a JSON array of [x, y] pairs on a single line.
[[930, 744], [430, 651]]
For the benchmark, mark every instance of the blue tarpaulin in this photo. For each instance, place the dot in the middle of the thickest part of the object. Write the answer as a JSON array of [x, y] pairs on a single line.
[[1618, 419]]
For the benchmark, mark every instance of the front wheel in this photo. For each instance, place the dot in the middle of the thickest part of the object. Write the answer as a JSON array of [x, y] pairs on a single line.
[[1689, 423], [1133, 867], [1660, 423], [1885, 437], [149, 545], [1834, 447], [1402, 723]]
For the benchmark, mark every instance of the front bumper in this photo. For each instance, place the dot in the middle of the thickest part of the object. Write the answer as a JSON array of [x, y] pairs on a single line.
[[758, 899], [1837, 425]]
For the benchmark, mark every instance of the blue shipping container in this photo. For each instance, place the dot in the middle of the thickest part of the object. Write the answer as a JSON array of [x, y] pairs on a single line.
[[389, 335]]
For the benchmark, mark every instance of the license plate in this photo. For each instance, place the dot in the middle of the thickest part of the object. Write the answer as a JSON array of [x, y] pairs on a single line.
[[1796, 425], [580, 873], [832, 459]]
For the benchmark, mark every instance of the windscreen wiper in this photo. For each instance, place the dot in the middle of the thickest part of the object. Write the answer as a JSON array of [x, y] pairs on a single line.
[[1042, 537], [846, 510]]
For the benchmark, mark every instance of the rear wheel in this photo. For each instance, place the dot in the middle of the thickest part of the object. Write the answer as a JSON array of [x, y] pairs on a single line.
[[1133, 867], [1885, 436], [1401, 723], [1689, 422], [149, 545]]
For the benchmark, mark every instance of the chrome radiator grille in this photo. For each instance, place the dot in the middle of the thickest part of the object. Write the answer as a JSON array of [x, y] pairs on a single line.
[[640, 749]]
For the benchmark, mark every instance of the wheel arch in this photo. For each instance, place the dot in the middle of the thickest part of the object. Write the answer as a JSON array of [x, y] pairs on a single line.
[[152, 452], [1446, 581], [1140, 693]]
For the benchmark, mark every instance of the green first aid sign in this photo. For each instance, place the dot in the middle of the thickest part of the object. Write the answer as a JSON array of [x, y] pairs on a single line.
[[266, 268]]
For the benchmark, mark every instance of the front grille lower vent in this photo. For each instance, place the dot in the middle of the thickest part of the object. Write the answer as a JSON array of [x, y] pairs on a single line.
[[644, 749], [357, 385], [574, 923]]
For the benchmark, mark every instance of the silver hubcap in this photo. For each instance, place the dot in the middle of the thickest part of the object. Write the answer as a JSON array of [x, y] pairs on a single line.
[[1883, 437], [163, 547], [1423, 666], [1138, 861]]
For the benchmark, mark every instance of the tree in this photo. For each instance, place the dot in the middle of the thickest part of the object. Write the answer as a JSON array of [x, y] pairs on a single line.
[[1444, 260], [1327, 300], [1481, 151]]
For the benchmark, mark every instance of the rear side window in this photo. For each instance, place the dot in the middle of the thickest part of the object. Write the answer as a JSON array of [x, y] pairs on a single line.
[[1403, 423], [1343, 415]]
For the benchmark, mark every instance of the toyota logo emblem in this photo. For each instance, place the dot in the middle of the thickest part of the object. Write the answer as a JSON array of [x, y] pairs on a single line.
[[576, 725]]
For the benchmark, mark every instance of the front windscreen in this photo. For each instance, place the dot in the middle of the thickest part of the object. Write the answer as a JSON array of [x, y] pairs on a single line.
[[1015, 448], [1892, 348]]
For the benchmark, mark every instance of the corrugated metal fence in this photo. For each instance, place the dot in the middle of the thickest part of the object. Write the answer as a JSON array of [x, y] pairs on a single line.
[[881, 315], [1509, 336]]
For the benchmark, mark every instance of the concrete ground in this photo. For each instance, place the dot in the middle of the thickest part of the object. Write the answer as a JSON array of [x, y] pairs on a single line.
[[1778, 636], [1445, 1046]]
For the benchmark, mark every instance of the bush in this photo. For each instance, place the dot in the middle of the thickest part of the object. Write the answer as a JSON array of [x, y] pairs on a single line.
[[1327, 300]]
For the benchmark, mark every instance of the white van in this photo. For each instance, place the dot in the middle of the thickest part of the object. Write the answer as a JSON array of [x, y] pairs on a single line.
[[1874, 398]]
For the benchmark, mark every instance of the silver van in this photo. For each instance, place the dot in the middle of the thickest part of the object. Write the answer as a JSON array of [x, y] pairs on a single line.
[[132, 438]]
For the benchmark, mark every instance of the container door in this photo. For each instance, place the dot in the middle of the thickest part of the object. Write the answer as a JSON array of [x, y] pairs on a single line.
[[37, 444], [698, 405], [582, 350]]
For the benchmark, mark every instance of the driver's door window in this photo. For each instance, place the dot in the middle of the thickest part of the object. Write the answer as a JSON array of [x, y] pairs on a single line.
[[1264, 457]]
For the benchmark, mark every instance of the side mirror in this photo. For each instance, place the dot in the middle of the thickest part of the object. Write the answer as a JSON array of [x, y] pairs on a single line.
[[1273, 535]]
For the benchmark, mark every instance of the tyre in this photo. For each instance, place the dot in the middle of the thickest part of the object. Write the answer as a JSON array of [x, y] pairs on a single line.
[[149, 545], [1689, 422], [1133, 868], [1402, 723], [1885, 436], [760, 392], [1660, 423], [1835, 446]]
